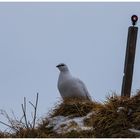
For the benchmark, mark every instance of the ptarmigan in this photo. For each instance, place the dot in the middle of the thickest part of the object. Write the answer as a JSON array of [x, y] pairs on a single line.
[[69, 86]]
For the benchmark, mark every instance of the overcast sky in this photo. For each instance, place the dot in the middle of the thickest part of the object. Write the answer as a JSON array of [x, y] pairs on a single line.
[[89, 37]]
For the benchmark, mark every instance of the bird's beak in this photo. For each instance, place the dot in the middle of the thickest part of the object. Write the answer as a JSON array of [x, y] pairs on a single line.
[[57, 66]]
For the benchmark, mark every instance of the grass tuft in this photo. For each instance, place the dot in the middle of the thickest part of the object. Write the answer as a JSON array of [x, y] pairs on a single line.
[[112, 119]]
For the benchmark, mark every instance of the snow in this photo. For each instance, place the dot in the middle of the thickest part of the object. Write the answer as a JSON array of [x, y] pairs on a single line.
[[134, 130], [62, 124], [119, 109]]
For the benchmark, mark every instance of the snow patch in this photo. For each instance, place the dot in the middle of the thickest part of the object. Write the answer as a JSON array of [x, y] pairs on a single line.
[[62, 124], [119, 109], [134, 130]]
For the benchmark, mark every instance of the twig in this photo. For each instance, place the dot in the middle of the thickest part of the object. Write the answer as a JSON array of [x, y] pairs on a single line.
[[17, 124], [9, 126], [24, 112], [35, 110], [4, 113], [21, 119]]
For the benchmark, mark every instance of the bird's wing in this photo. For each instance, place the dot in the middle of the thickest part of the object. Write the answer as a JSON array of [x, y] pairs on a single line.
[[82, 85]]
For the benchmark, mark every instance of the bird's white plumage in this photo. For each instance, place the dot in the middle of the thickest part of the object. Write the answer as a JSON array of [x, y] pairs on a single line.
[[69, 86]]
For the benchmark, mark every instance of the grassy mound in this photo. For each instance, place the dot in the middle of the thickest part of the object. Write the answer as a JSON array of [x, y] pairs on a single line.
[[74, 107], [117, 117]]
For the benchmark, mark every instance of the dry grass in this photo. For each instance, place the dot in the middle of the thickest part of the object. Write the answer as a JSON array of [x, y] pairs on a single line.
[[112, 122], [74, 108], [111, 119]]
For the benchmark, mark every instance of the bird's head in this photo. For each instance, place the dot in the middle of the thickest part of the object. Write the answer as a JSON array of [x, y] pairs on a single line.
[[62, 67]]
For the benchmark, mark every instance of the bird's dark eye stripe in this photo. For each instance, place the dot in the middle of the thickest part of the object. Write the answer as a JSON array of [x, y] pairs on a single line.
[[61, 65]]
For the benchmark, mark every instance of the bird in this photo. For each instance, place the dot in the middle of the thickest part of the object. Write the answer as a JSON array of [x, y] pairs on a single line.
[[69, 86]]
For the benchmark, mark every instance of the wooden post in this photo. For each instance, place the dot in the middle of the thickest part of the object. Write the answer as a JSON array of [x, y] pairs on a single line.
[[129, 58]]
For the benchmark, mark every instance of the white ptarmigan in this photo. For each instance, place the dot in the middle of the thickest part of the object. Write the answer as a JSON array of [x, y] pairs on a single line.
[[69, 86]]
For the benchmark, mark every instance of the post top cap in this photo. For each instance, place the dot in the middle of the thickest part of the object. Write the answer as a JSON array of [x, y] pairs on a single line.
[[134, 19]]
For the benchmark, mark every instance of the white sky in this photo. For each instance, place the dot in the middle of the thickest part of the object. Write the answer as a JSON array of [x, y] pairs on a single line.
[[89, 37]]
